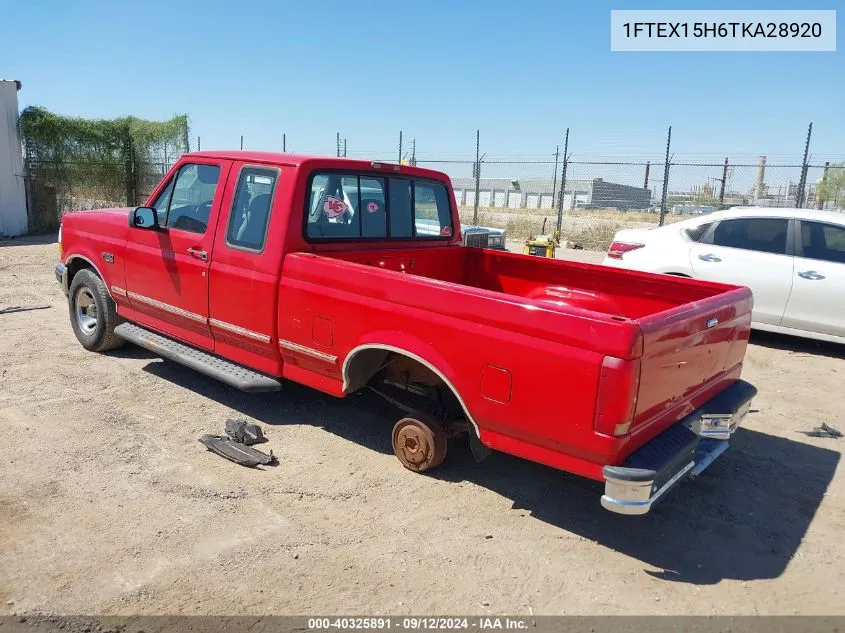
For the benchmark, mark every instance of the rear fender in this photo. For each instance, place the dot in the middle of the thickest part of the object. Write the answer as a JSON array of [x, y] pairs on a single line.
[[416, 349]]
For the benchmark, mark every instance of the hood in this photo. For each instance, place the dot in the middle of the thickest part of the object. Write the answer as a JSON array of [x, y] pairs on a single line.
[[106, 222]]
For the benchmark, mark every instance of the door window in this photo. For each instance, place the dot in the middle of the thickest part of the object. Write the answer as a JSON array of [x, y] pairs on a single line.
[[825, 242], [766, 235], [160, 205], [189, 204], [250, 214]]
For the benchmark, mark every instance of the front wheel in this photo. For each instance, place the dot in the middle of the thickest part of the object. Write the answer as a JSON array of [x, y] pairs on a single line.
[[93, 313]]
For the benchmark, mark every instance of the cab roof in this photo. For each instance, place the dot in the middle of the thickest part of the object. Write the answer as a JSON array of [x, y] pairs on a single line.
[[297, 160]]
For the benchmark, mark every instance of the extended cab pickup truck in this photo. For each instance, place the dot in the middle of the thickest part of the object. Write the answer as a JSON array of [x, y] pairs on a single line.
[[347, 274]]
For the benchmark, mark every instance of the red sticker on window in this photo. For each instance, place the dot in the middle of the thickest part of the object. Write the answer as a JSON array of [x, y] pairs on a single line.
[[372, 207], [334, 207], [446, 231]]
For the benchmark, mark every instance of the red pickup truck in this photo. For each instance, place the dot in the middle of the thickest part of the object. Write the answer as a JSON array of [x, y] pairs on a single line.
[[348, 274]]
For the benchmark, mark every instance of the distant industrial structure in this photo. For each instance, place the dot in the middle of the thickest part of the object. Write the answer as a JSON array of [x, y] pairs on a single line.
[[541, 193]]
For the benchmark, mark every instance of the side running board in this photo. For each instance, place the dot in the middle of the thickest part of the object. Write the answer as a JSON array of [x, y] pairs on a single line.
[[223, 370]]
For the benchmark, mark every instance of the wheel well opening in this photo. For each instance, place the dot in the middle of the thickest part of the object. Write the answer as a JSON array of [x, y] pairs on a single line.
[[408, 384], [75, 265]]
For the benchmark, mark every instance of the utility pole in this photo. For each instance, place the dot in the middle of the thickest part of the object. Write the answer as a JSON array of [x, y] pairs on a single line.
[[344, 147], [284, 143], [477, 176], [400, 147], [554, 180], [562, 182], [199, 145], [242, 141], [414, 152], [338, 144], [647, 169], [665, 178], [799, 195]]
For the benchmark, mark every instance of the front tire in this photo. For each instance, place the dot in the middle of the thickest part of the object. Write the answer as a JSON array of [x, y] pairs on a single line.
[[93, 313]]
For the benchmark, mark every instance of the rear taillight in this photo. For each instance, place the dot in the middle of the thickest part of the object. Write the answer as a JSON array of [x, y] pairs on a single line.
[[618, 249], [619, 384]]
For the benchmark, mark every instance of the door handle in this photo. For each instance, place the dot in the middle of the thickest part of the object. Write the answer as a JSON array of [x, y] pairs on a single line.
[[198, 253], [707, 257], [810, 274]]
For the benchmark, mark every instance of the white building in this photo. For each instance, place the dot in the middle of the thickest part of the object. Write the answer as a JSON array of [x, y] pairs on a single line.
[[13, 219]]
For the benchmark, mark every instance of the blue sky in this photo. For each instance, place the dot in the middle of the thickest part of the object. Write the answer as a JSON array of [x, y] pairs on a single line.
[[520, 71]]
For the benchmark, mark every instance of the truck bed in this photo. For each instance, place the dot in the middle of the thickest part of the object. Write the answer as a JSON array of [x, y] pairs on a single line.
[[558, 328]]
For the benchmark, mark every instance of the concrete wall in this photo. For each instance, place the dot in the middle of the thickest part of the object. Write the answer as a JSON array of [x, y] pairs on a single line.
[[12, 190]]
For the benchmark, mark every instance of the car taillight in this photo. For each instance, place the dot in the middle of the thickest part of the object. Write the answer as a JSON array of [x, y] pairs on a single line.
[[619, 384], [618, 249]]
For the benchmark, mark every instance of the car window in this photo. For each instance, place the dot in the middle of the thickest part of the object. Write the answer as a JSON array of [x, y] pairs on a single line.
[[695, 233], [400, 208], [825, 242], [367, 206], [161, 202], [193, 193], [766, 235], [432, 213], [250, 213]]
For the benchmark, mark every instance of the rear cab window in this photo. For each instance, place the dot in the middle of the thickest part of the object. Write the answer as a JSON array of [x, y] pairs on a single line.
[[365, 206]]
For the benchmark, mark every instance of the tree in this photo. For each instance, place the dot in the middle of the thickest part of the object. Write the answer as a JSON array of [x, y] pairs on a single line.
[[832, 189]]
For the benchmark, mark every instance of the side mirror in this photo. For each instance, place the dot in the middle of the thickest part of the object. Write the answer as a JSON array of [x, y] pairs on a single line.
[[144, 218]]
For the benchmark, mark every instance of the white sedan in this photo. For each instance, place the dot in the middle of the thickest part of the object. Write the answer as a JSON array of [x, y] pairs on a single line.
[[792, 259]]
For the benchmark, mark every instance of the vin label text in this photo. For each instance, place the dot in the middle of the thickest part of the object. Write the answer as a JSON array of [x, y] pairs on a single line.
[[728, 30]]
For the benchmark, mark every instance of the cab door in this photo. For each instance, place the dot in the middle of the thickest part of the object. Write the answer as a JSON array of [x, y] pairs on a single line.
[[753, 252], [817, 302], [247, 258], [167, 269]]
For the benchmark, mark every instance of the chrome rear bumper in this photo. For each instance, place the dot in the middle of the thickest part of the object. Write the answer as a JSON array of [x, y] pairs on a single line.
[[685, 449]]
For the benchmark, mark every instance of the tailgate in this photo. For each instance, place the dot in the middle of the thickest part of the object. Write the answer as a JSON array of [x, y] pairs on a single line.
[[690, 353]]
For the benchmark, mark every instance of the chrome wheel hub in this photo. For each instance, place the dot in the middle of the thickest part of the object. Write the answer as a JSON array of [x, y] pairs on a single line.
[[86, 311]]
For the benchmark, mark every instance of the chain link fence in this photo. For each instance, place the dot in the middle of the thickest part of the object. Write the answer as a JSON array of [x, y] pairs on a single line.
[[587, 198], [75, 164], [594, 199]]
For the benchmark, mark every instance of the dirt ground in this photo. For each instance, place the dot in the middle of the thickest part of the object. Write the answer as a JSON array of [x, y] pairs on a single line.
[[109, 505]]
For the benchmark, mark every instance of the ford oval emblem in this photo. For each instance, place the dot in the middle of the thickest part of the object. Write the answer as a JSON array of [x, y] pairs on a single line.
[[712, 322]]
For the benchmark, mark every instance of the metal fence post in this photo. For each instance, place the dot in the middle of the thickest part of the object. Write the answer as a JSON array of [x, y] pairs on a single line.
[[554, 180], [647, 169], [562, 182], [129, 169], [802, 182], [665, 179], [477, 176]]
